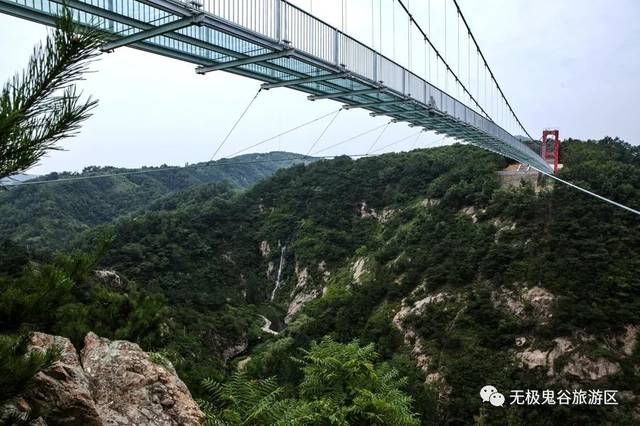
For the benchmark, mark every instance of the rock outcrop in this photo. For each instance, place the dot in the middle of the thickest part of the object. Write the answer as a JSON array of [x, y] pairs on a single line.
[[111, 279], [411, 337], [577, 363], [63, 390], [130, 389], [298, 302], [359, 270], [111, 383], [540, 300]]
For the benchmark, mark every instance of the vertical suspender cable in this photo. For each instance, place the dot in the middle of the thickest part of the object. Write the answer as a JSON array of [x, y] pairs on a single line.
[[469, 60], [429, 32], [380, 29], [393, 29], [458, 41], [499, 89], [446, 76], [373, 37], [425, 60], [409, 37], [346, 15], [478, 74]]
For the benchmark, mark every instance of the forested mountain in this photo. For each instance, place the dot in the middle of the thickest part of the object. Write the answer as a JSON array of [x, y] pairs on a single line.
[[48, 215], [413, 274]]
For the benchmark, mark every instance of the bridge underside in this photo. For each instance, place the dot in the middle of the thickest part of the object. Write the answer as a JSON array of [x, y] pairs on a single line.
[[283, 46]]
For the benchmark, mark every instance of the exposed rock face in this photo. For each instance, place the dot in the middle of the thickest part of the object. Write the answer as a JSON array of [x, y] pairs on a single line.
[[322, 268], [586, 368], [411, 338], [471, 212], [366, 212], [578, 364], [502, 227], [302, 294], [387, 215], [129, 389], [265, 249], [235, 350], [358, 270], [302, 274], [112, 383], [630, 339], [546, 359], [110, 278], [63, 389], [539, 299], [298, 302], [430, 202], [417, 343]]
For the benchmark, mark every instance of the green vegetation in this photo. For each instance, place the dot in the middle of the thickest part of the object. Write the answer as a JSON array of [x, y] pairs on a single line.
[[42, 105], [17, 367], [340, 385], [48, 216], [425, 223], [63, 297]]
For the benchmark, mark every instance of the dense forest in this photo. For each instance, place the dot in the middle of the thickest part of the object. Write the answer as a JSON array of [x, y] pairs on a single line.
[[398, 285], [49, 215]]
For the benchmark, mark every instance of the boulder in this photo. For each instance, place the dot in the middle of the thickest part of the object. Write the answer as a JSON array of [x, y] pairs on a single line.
[[129, 388], [111, 279], [62, 390]]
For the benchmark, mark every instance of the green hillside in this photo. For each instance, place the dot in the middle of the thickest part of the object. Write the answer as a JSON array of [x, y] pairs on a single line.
[[49, 215], [455, 281]]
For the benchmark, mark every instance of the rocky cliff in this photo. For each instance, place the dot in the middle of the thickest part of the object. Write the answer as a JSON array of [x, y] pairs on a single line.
[[107, 383]]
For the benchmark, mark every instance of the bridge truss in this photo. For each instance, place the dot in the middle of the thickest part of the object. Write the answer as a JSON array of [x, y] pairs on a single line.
[[282, 45]]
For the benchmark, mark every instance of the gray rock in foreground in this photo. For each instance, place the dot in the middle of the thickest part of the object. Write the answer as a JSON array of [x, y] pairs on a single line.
[[111, 383]]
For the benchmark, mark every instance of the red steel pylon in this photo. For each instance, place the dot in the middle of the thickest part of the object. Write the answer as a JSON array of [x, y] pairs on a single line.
[[552, 156]]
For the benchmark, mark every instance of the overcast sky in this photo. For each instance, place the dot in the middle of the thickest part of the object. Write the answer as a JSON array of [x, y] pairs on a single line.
[[568, 64]]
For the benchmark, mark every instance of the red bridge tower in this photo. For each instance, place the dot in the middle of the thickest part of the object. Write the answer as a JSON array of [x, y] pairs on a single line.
[[551, 156]]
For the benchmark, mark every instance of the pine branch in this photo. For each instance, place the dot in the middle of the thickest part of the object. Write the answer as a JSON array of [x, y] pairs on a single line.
[[41, 105]]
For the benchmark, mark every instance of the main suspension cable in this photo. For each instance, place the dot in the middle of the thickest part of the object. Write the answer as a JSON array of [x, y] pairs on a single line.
[[464, 20], [444, 62]]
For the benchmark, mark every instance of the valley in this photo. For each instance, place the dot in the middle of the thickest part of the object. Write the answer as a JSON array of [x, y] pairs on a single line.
[[451, 279]]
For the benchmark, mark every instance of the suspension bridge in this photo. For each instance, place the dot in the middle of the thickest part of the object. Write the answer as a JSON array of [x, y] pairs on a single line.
[[283, 45]]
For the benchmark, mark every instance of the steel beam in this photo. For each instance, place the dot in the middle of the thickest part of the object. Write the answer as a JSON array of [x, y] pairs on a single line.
[[343, 94], [316, 79], [146, 34], [397, 112], [175, 8], [377, 104], [13, 9], [245, 61]]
